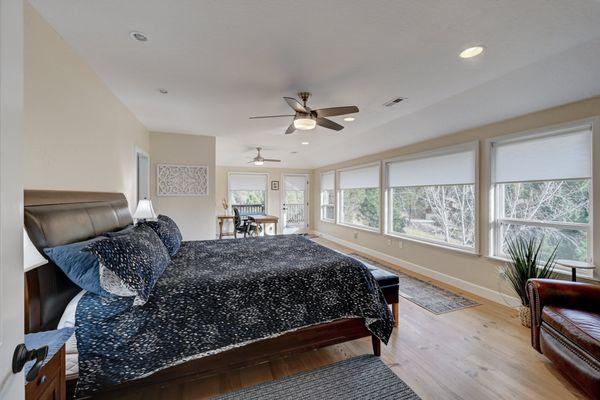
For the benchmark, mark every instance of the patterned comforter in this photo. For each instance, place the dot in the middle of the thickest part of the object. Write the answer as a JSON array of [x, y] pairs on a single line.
[[219, 294]]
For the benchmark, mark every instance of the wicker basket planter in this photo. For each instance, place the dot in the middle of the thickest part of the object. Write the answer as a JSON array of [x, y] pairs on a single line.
[[525, 316]]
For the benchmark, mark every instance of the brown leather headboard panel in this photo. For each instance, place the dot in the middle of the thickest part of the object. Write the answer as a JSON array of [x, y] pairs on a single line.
[[54, 218]]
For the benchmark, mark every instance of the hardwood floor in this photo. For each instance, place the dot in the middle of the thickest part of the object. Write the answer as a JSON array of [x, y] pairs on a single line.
[[477, 353]]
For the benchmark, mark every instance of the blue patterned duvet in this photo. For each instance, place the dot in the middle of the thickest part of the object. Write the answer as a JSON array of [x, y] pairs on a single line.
[[220, 294]]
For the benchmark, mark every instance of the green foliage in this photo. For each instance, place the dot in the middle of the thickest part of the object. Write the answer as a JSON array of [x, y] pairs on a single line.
[[526, 264], [243, 197], [361, 207]]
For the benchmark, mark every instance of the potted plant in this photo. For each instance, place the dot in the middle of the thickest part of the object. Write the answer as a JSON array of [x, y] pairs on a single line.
[[525, 263]]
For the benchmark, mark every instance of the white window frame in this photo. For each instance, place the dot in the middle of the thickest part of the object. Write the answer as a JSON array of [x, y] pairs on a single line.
[[321, 205], [497, 195], [339, 198], [473, 145], [267, 188]]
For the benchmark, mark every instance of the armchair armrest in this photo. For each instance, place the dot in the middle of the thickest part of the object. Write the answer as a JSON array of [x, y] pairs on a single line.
[[544, 292]]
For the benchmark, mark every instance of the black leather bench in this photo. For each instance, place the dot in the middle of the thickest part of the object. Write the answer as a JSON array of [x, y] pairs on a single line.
[[389, 284]]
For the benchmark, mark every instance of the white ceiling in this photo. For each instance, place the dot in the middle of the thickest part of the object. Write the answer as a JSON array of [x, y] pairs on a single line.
[[223, 61]]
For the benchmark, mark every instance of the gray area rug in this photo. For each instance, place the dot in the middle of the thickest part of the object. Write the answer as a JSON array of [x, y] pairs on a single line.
[[365, 377], [425, 294]]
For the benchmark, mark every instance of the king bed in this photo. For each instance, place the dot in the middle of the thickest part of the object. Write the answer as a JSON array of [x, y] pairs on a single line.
[[218, 305]]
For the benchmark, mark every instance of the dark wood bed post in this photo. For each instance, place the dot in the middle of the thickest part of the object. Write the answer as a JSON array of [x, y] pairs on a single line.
[[376, 345]]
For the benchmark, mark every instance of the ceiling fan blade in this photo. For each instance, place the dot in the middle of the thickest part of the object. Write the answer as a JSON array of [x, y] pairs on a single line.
[[271, 160], [290, 129], [251, 162], [333, 111], [329, 124], [295, 104], [272, 116]]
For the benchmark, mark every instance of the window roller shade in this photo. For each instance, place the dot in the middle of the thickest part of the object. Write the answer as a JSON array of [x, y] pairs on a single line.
[[446, 169], [327, 181], [295, 183], [360, 178], [563, 156], [247, 182]]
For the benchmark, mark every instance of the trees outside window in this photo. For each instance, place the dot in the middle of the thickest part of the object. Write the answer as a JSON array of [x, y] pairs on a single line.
[[438, 213], [360, 207], [558, 211]]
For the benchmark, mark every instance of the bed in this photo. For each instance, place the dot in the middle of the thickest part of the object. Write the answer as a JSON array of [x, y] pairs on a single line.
[[57, 217]]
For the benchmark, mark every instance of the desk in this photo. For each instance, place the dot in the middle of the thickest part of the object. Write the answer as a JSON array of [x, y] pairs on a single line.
[[259, 218]]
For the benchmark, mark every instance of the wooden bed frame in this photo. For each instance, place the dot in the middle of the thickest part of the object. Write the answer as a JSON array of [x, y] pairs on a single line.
[[54, 218]]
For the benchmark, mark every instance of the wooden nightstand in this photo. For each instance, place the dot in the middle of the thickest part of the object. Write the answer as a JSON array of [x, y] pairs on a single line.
[[50, 384]]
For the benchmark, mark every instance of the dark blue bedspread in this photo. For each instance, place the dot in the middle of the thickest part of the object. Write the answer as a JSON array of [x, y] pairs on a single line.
[[220, 294]]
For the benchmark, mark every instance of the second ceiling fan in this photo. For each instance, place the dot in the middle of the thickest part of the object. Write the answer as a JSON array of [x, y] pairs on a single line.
[[306, 118]]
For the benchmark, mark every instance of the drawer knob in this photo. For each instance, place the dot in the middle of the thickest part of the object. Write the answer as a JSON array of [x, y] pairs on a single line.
[[43, 379]]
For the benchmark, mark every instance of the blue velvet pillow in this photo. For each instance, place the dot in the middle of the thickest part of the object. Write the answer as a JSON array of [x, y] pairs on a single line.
[[130, 265], [168, 232], [125, 231], [80, 266]]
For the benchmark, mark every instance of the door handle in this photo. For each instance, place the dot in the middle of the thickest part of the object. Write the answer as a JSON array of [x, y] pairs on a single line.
[[22, 355]]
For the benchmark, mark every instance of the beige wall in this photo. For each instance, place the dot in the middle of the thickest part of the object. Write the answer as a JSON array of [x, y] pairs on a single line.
[[195, 215], [273, 197], [473, 269], [77, 134]]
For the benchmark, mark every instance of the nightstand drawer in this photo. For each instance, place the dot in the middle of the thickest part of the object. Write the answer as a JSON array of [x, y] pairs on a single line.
[[50, 382]]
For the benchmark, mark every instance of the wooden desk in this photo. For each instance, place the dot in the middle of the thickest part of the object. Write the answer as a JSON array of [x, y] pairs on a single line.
[[259, 218]]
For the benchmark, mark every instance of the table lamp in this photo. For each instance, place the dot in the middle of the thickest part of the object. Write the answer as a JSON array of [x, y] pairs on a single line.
[[31, 256]]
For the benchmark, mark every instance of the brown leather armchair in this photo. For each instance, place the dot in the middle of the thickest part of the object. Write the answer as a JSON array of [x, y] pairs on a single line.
[[565, 327]]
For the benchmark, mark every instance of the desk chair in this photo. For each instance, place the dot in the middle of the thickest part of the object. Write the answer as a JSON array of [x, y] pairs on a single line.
[[245, 225]]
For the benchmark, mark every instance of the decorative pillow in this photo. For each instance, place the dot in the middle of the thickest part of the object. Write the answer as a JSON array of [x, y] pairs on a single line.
[[168, 232], [125, 231], [80, 266], [130, 265]]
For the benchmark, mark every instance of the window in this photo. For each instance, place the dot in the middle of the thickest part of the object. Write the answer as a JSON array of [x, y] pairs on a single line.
[[328, 196], [248, 192], [360, 197], [542, 189], [431, 197]]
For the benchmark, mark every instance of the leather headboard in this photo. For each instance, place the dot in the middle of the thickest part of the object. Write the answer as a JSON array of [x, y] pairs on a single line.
[[54, 218]]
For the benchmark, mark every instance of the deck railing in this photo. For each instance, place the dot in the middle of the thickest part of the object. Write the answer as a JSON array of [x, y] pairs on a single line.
[[294, 214], [249, 209]]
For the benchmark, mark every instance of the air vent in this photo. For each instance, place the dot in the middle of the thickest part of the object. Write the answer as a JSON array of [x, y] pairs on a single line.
[[393, 102]]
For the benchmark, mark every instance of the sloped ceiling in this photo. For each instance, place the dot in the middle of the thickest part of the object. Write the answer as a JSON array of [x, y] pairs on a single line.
[[223, 61]]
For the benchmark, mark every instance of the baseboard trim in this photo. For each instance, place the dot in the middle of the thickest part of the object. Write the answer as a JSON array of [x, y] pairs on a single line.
[[470, 287]]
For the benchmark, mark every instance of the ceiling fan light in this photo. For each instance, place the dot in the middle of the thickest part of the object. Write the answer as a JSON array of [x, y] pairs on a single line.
[[305, 123], [259, 162]]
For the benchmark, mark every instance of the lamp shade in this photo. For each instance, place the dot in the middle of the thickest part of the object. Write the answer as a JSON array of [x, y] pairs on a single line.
[[31, 256], [144, 210]]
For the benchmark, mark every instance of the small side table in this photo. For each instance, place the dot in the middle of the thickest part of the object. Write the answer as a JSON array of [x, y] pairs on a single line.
[[50, 382], [575, 265]]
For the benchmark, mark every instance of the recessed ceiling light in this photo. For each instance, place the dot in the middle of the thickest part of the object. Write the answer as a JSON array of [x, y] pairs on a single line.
[[162, 91], [139, 36], [349, 119], [305, 143], [471, 52]]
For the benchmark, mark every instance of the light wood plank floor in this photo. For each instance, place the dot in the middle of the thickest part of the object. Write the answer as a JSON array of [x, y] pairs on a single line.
[[476, 353]]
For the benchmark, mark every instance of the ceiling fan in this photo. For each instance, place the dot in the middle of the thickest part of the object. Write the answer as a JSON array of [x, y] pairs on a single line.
[[259, 160], [306, 118]]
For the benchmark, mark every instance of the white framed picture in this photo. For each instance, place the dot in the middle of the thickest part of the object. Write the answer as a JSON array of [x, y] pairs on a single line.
[[181, 180]]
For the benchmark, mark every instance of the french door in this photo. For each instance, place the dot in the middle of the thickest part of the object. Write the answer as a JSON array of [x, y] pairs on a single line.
[[294, 203]]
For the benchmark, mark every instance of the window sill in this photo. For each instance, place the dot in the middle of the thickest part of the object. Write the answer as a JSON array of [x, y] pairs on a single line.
[[434, 244], [329, 221], [360, 227]]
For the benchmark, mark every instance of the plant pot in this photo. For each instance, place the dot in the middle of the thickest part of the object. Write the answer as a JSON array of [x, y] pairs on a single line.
[[525, 316]]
